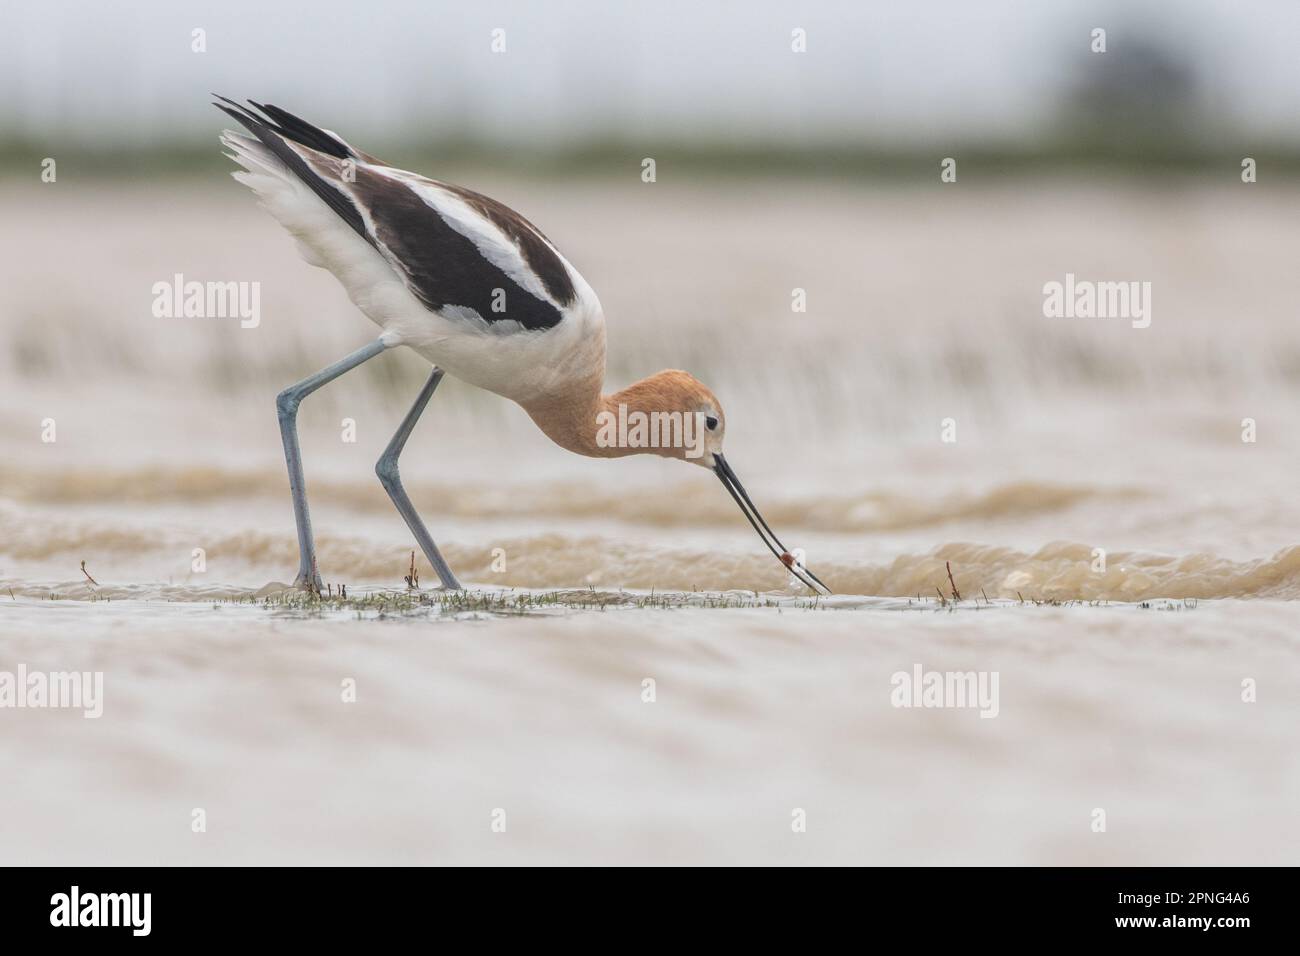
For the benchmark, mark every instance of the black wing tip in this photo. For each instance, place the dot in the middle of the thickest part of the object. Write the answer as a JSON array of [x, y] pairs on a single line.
[[286, 125], [239, 118], [230, 104], [290, 127], [277, 140], [244, 117]]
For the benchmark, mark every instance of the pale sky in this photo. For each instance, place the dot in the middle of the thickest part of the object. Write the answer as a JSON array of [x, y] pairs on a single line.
[[924, 70]]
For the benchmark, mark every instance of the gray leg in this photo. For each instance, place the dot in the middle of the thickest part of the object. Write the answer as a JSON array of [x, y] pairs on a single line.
[[286, 404], [386, 469]]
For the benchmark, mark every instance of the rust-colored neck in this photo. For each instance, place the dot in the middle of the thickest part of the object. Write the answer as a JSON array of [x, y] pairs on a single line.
[[572, 418]]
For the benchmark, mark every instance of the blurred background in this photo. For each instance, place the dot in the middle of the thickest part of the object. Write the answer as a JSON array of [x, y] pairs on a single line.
[[1012, 81], [132, 442], [1012, 78], [797, 151]]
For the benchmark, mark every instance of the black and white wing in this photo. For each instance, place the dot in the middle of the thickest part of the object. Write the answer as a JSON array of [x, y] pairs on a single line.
[[461, 254]]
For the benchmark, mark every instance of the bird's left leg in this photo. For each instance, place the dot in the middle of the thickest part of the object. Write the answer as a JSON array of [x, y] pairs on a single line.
[[286, 405], [386, 469]]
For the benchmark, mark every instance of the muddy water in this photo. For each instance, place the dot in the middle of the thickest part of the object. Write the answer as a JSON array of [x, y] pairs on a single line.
[[1125, 559]]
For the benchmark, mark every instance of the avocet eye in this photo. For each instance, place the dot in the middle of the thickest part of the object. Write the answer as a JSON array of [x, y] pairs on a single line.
[[710, 423]]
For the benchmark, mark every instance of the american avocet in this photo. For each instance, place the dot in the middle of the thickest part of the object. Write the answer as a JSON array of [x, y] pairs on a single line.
[[477, 290]]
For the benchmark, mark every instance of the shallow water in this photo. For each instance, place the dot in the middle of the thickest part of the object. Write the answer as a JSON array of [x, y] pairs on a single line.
[[236, 709], [1120, 687]]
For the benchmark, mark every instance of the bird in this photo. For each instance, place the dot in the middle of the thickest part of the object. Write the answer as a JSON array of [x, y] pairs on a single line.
[[481, 294]]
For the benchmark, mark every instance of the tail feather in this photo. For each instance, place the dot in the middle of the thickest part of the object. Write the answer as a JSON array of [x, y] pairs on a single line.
[[273, 136], [290, 127], [252, 155], [300, 131]]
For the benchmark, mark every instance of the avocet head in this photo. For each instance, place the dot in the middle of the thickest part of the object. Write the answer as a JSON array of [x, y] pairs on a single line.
[[679, 392]]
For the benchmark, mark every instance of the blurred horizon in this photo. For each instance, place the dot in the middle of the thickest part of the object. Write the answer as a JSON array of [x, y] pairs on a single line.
[[1007, 86]]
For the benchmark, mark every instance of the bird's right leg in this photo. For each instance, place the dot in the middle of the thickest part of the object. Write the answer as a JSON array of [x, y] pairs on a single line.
[[286, 404], [386, 469]]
